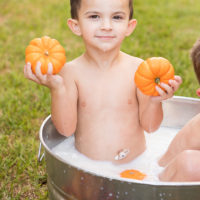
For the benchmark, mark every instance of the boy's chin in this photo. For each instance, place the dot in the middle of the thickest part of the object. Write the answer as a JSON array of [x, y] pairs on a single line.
[[107, 48]]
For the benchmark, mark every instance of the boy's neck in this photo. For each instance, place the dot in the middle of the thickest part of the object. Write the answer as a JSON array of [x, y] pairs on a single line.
[[102, 60]]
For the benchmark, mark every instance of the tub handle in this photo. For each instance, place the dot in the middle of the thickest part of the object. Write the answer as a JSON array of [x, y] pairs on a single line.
[[40, 157]]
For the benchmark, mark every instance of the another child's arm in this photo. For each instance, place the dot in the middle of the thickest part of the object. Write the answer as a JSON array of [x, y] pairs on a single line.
[[188, 138], [150, 108], [63, 96], [183, 167]]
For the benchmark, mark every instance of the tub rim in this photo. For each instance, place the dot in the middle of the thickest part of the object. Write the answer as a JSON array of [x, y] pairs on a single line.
[[129, 181]]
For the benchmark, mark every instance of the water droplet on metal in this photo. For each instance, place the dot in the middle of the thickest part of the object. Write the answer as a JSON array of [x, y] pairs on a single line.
[[101, 188]]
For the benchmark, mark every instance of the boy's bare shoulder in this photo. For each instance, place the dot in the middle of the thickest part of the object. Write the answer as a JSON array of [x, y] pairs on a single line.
[[71, 67], [132, 61]]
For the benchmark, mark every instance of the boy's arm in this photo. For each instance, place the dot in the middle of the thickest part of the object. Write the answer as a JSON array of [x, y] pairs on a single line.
[[150, 112], [150, 108], [64, 103], [63, 95], [187, 138]]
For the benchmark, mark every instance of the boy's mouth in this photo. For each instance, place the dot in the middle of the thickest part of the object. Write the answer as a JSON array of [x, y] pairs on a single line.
[[106, 37]]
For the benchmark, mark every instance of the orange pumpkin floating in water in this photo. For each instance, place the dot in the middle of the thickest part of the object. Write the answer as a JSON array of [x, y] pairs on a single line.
[[132, 174], [151, 72], [45, 50]]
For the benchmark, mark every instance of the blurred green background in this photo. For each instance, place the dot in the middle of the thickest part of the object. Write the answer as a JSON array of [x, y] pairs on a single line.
[[166, 28]]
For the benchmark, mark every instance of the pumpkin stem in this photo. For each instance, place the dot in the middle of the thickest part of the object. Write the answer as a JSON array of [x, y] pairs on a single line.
[[46, 53], [157, 80]]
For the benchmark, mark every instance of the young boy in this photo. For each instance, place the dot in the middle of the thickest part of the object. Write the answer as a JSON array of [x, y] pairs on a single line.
[[94, 96], [183, 155]]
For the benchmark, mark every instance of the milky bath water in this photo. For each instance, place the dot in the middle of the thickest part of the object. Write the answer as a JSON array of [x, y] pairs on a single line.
[[157, 143]]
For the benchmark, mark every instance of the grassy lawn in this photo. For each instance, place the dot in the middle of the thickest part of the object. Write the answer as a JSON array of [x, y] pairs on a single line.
[[165, 28]]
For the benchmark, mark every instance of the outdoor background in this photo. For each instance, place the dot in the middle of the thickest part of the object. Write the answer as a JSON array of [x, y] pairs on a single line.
[[166, 28]]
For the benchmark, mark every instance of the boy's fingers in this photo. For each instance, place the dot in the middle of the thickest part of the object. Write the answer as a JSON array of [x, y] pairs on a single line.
[[50, 69], [175, 83], [164, 92], [178, 79], [25, 70], [167, 88], [26, 66], [29, 74], [167, 91], [38, 72], [160, 91]]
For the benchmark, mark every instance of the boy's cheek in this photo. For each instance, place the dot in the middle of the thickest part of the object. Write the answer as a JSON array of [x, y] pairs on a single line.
[[198, 92]]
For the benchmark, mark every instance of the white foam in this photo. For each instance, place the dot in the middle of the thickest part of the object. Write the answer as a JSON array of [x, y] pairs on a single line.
[[157, 144]]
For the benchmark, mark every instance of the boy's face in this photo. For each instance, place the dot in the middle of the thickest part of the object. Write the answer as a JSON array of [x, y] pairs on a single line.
[[104, 23]]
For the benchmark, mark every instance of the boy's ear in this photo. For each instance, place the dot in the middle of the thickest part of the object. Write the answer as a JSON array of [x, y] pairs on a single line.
[[74, 26], [131, 26]]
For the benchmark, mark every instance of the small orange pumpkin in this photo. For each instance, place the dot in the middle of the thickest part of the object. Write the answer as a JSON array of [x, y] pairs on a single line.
[[45, 50], [151, 72], [132, 174]]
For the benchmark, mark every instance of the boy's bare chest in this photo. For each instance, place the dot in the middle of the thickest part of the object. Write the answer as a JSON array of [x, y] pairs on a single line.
[[106, 91]]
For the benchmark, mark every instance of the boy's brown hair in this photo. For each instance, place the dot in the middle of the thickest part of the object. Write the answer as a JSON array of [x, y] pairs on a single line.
[[76, 4], [195, 55]]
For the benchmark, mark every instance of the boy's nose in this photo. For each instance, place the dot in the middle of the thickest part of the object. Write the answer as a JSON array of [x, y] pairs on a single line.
[[106, 24]]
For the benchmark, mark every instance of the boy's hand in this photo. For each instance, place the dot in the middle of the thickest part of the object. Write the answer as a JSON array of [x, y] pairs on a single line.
[[49, 80], [169, 89]]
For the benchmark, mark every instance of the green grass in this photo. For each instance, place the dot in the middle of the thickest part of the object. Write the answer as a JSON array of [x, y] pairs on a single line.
[[165, 28]]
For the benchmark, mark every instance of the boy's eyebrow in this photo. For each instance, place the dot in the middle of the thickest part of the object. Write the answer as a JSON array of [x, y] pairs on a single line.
[[119, 12], [91, 12], [96, 12]]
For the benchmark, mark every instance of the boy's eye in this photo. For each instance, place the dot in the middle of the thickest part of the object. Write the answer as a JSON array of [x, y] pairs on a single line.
[[117, 17], [94, 16]]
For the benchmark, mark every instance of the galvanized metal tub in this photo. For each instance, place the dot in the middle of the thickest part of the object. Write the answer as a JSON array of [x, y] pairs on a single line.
[[72, 183]]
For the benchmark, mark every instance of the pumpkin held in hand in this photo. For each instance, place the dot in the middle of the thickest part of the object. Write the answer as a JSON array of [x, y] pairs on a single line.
[[133, 174], [151, 72], [45, 50]]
